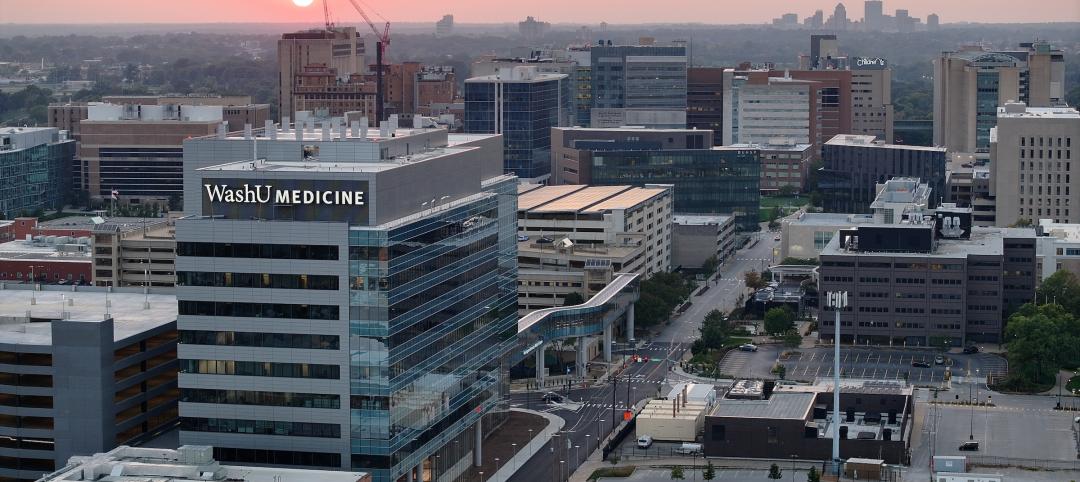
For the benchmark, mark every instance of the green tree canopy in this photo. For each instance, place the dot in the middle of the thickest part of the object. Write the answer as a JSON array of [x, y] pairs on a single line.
[[779, 320], [709, 473], [677, 473], [775, 473], [1041, 339]]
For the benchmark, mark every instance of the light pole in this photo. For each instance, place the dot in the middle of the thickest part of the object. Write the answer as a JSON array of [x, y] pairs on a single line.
[[575, 456], [512, 457], [838, 300], [587, 445], [562, 464], [496, 469], [793, 457], [971, 401]]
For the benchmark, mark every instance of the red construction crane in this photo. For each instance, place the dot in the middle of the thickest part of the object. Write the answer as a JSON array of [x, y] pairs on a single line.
[[382, 41]]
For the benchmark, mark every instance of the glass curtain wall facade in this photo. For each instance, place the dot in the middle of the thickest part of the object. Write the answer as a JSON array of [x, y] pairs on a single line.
[[525, 111], [432, 314], [648, 77], [35, 178], [721, 180]]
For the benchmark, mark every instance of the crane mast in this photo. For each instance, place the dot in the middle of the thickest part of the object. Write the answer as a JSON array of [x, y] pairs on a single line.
[[382, 41]]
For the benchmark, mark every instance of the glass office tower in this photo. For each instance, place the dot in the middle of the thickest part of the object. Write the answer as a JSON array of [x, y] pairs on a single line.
[[352, 310], [522, 105]]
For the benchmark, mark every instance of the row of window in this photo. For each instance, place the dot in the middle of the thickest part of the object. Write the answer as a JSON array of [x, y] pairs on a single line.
[[250, 397], [25, 401], [33, 359], [258, 310], [277, 457], [263, 251], [261, 369], [26, 379], [260, 339], [257, 280], [260, 427]]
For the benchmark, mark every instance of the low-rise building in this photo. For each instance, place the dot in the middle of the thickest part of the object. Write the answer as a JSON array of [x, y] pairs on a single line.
[[574, 239], [186, 463], [85, 370], [698, 237], [1059, 248], [785, 166], [967, 184], [798, 421], [932, 281], [855, 164], [47, 260], [706, 179], [135, 254]]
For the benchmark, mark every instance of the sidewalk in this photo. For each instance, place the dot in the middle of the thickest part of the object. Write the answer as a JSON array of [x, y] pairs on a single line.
[[532, 447], [585, 470]]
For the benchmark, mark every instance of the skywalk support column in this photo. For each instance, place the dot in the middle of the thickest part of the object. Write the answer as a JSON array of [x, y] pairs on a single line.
[[608, 332], [540, 365], [478, 454], [630, 323], [581, 359]]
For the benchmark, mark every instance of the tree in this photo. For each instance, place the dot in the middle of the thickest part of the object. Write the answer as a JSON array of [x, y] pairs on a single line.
[[714, 330], [1062, 288], [787, 190], [710, 265], [709, 473], [677, 473], [779, 320], [754, 280], [812, 475], [573, 298], [775, 473], [1040, 339], [800, 261]]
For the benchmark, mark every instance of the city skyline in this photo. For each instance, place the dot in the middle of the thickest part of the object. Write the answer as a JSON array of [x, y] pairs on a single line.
[[556, 11]]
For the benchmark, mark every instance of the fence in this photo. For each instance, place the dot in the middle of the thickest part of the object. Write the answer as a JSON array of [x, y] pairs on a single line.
[[1040, 464]]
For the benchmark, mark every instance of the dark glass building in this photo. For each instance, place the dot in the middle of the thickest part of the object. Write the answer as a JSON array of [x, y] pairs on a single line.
[[522, 105], [855, 164], [35, 169], [639, 76]]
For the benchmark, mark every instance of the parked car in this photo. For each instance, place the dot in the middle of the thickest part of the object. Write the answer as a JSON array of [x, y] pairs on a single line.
[[552, 397], [969, 446], [971, 349], [688, 448], [777, 238], [939, 360], [523, 237], [644, 442], [920, 364], [748, 347]]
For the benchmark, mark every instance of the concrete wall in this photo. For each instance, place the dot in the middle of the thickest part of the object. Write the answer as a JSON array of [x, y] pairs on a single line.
[[83, 388]]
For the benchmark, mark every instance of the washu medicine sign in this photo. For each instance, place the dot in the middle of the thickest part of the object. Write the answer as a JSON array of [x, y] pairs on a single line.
[[327, 200], [264, 193]]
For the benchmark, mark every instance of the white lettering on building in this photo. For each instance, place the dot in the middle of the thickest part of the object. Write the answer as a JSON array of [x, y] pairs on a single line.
[[262, 194]]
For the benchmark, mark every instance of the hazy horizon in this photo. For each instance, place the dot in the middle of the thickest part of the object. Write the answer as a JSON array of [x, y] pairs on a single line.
[[489, 11]]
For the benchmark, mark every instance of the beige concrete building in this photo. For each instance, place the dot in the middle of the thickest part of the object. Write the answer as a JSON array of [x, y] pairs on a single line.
[[1031, 157], [135, 254], [698, 237], [871, 98], [574, 238], [341, 49], [1058, 248], [137, 150], [967, 184], [970, 84]]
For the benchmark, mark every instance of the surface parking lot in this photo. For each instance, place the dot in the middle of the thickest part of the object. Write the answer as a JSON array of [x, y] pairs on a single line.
[[809, 364]]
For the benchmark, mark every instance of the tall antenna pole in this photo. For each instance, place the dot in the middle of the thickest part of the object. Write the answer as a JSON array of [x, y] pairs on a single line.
[[838, 300]]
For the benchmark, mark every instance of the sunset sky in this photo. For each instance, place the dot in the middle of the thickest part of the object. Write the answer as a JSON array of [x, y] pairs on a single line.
[[489, 11]]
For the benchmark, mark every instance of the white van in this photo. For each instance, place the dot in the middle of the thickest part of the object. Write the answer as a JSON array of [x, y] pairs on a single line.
[[689, 449], [644, 442]]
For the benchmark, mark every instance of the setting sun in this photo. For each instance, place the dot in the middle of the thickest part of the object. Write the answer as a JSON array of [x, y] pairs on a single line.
[[302, 3]]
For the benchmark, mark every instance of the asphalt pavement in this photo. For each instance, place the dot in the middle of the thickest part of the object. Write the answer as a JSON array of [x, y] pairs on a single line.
[[592, 421]]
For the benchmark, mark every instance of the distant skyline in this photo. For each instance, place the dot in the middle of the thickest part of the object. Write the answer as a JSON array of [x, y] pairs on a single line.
[[500, 11]]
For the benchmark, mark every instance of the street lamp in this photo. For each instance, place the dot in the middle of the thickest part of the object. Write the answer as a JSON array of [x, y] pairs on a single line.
[[576, 460], [496, 469], [793, 457]]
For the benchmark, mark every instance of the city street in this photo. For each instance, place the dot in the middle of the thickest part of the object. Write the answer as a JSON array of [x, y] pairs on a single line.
[[583, 427]]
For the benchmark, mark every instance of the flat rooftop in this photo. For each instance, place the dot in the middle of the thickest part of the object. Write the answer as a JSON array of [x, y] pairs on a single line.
[[583, 199], [21, 250], [314, 165], [628, 129], [984, 241], [790, 405], [871, 141], [831, 219], [129, 315], [288, 133], [702, 219], [88, 222], [186, 464], [775, 147], [1038, 113]]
